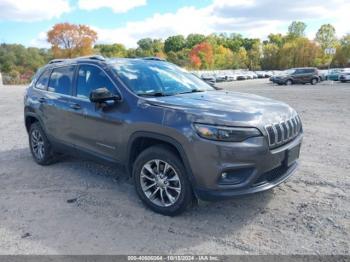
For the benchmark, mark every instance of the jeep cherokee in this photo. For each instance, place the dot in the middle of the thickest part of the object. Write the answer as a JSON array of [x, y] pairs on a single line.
[[178, 137], [298, 76]]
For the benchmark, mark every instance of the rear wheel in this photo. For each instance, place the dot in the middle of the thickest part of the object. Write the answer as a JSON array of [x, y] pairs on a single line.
[[314, 81], [40, 146], [161, 181]]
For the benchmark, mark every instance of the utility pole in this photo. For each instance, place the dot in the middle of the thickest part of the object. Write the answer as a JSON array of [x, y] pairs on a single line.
[[1, 79], [330, 51]]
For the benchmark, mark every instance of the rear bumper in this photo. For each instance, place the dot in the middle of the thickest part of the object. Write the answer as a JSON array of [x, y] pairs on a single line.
[[212, 195]]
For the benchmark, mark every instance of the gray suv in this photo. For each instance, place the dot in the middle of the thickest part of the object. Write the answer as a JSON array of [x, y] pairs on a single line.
[[177, 137]]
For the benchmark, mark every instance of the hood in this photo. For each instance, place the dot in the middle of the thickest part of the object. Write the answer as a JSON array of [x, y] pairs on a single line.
[[227, 108]]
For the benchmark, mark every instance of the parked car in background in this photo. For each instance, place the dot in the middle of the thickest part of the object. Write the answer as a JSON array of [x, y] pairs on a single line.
[[333, 74], [210, 79], [220, 77], [323, 74], [345, 76], [298, 76]]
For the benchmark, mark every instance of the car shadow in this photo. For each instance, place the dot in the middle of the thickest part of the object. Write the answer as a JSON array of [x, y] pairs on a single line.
[[77, 199]]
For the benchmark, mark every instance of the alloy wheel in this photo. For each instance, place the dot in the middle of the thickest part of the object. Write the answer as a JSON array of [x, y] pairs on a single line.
[[37, 143], [160, 183]]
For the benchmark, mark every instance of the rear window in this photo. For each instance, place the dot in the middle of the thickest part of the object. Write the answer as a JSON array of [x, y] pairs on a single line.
[[309, 70], [61, 80], [43, 80]]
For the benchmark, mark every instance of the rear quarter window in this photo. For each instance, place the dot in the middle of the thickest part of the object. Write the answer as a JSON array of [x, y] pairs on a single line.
[[43, 80]]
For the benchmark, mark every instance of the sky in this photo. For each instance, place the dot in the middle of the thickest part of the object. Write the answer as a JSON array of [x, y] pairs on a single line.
[[126, 21]]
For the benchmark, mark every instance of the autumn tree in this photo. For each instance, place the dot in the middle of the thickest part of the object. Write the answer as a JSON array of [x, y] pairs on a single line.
[[70, 40], [223, 58], [202, 56], [299, 53]]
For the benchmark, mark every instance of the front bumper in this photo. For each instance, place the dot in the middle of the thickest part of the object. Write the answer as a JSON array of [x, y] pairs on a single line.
[[253, 165], [212, 195]]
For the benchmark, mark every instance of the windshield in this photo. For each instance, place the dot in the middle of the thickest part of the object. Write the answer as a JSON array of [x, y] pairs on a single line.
[[157, 78]]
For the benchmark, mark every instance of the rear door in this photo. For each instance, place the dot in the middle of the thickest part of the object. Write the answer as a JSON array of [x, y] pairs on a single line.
[[58, 103], [298, 76]]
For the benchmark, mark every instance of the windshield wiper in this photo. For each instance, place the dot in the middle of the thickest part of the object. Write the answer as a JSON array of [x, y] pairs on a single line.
[[152, 94], [192, 91]]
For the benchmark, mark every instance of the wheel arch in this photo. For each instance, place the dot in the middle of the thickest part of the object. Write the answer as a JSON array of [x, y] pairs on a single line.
[[29, 119], [140, 141]]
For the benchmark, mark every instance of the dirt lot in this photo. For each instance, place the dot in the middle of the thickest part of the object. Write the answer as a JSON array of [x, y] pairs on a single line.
[[309, 214]]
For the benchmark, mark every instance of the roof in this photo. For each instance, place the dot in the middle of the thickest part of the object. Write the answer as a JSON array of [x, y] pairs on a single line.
[[99, 58]]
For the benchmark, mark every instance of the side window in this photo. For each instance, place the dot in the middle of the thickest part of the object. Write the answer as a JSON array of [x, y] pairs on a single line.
[[43, 80], [91, 78], [61, 80]]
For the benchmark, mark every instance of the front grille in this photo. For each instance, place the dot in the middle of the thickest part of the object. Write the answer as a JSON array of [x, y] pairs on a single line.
[[281, 133]]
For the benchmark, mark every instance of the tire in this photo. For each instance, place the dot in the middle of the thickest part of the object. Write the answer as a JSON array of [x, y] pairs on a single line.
[[314, 81], [40, 146], [289, 82], [167, 197]]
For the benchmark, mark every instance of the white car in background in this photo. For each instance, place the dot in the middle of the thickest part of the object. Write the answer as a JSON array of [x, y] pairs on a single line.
[[345, 75]]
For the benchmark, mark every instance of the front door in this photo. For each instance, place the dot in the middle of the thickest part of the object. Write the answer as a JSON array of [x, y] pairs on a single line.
[[96, 130]]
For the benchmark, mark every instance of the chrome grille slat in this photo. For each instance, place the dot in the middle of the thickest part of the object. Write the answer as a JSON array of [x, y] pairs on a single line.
[[283, 132]]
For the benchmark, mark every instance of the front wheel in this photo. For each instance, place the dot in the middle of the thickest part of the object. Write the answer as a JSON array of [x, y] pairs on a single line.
[[289, 82], [161, 181]]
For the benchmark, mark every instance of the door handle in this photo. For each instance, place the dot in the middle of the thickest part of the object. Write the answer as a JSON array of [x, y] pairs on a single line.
[[75, 106], [42, 100]]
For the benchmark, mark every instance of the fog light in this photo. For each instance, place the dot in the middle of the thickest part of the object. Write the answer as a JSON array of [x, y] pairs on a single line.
[[224, 175]]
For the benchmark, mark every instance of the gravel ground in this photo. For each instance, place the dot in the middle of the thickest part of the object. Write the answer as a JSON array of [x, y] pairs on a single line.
[[79, 207]]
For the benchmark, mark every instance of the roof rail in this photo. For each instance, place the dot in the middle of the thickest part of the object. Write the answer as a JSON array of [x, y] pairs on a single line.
[[57, 60], [94, 57], [155, 58]]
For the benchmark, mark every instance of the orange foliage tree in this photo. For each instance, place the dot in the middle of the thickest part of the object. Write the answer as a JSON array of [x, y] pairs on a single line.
[[202, 56], [70, 40]]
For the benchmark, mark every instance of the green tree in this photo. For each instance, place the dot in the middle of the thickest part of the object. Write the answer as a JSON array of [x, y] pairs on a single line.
[[254, 56], [296, 29], [114, 50], [326, 36], [174, 43], [276, 39], [342, 56], [194, 39], [270, 56]]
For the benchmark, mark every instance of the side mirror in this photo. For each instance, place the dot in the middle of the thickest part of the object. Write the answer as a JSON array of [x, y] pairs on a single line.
[[101, 95]]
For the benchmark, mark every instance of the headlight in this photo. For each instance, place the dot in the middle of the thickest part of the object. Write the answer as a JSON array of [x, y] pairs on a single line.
[[228, 134]]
